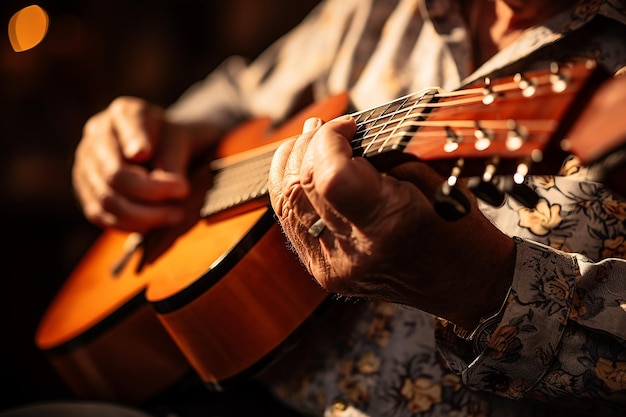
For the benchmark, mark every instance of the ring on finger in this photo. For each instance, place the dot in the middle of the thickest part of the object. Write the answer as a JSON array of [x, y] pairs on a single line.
[[317, 228]]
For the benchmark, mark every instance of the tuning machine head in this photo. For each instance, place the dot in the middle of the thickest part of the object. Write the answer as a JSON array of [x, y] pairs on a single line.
[[450, 202], [493, 189], [558, 78]]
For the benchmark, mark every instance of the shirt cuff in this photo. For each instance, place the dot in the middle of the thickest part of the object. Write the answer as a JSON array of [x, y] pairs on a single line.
[[523, 345]]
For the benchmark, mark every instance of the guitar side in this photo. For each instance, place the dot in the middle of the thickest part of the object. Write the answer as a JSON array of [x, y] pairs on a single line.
[[250, 305], [100, 334]]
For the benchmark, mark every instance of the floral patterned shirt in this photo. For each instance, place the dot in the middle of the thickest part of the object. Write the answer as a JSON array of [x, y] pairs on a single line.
[[559, 345]]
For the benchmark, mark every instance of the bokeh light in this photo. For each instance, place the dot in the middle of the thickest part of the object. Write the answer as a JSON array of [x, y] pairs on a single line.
[[27, 28]]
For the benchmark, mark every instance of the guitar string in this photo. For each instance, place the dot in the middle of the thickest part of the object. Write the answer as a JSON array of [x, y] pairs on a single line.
[[225, 194], [399, 117], [473, 95]]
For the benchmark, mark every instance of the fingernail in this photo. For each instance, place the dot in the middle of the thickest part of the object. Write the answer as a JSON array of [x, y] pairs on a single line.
[[310, 124]]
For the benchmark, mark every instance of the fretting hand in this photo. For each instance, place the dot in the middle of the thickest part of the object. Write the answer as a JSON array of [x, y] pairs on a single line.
[[382, 238]]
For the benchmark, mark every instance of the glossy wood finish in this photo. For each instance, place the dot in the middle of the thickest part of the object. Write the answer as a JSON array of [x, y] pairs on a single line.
[[131, 362], [239, 314], [105, 339], [248, 313]]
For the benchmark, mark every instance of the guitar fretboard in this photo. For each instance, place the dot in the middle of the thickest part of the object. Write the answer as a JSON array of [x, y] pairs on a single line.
[[378, 130]]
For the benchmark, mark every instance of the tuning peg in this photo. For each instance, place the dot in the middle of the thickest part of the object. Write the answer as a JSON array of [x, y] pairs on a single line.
[[515, 186], [486, 187], [520, 192], [489, 96], [516, 135], [524, 195], [528, 87], [452, 140], [486, 191], [558, 79], [483, 137], [450, 203]]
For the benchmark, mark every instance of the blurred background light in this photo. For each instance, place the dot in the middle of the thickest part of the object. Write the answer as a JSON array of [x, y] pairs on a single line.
[[27, 28]]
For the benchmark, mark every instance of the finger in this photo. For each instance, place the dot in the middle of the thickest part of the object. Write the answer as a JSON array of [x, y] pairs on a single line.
[[100, 165], [286, 193], [114, 210], [137, 125], [125, 214], [291, 205], [105, 206], [154, 186], [333, 178], [100, 181], [111, 210], [136, 128], [140, 125]]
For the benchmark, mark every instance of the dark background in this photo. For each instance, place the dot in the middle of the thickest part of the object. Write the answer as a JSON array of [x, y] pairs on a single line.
[[93, 52]]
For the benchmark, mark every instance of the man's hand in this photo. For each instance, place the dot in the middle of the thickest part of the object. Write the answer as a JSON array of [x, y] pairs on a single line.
[[382, 238], [131, 166]]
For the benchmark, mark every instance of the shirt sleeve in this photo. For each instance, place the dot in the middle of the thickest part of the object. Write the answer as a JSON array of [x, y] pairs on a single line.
[[562, 336]]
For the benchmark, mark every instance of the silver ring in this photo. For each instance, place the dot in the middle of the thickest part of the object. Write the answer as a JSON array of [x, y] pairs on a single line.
[[317, 228]]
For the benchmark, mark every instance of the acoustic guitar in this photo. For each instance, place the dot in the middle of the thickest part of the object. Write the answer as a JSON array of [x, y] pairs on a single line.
[[229, 295]]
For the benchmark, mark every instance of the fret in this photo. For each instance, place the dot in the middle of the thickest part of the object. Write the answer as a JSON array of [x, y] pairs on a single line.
[[238, 184], [378, 129], [388, 126]]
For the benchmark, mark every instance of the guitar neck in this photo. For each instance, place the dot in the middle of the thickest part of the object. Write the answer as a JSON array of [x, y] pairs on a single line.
[[241, 178], [513, 122]]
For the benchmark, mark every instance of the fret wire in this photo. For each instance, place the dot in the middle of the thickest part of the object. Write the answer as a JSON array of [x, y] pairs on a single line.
[[363, 123], [388, 120], [459, 97], [371, 124], [451, 103], [362, 132], [404, 119], [232, 177]]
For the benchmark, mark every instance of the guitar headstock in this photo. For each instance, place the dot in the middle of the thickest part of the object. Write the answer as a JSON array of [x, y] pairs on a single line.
[[522, 118], [495, 133]]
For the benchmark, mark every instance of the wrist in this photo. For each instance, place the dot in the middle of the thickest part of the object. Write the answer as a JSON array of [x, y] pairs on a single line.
[[488, 284], [485, 322]]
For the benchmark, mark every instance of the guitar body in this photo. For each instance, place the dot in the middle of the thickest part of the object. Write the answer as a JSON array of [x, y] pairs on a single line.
[[221, 301], [102, 337], [239, 315]]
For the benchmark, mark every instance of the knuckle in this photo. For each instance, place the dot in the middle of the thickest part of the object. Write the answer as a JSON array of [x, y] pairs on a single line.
[[94, 124], [122, 103]]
